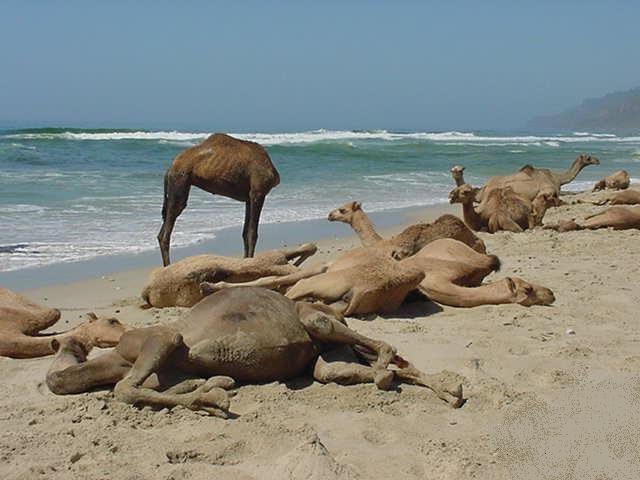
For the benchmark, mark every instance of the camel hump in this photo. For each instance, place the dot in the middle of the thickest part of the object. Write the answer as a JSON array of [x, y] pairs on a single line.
[[528, 169]]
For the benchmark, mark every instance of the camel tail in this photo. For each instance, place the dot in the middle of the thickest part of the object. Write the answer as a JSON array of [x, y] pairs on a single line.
[[166, 195], [495, 264], [145, 296]]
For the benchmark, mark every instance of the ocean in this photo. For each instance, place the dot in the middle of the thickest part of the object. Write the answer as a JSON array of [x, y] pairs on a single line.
[[74, 194]]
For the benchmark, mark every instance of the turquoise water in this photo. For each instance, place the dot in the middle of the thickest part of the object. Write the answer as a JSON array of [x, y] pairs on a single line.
[[71, 194]]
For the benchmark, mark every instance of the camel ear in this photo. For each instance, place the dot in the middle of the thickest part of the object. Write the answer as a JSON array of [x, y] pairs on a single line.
[[55, 345], [356, 205], [92, 316]]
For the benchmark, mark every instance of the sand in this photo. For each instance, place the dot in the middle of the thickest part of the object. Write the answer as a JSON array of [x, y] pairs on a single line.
[[553, 392]]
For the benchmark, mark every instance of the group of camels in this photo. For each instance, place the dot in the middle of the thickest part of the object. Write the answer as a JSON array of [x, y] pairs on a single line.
[[266, 317]]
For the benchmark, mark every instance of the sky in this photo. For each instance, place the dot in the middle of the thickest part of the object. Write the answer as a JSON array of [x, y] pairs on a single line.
[[300, 65]]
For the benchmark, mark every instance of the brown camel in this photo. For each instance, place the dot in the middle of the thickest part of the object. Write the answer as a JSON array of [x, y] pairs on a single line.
[[503, 209], [412, 238], [22, 320], [618, 218], [616, 181], [457, 172], [529, 181], [178, 284], [454, 274], [246, 335], [624, 197], [368, 280], [221, 165]]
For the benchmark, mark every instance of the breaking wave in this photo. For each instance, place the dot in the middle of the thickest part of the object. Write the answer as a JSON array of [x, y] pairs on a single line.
[[187, 138]]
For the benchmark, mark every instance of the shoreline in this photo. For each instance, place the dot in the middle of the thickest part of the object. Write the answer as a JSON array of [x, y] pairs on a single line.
[[227, 241], [543, 384]]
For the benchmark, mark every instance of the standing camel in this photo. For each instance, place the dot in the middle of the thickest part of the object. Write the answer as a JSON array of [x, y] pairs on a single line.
[[221, 165]]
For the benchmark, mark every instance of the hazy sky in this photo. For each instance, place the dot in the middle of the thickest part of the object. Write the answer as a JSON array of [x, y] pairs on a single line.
[[297, 65]]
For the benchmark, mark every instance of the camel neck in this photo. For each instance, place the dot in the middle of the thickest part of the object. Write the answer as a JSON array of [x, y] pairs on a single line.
[[571, 173], [471, 217], [364, 228]]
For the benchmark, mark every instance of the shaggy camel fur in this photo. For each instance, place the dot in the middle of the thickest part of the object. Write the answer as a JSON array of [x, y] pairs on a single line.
[[245, 334], [529, 181], [412, 238], [179, 284], [454, 274], [618, 218], [225, 166], [503, 209], [616, 181], [21, 320]]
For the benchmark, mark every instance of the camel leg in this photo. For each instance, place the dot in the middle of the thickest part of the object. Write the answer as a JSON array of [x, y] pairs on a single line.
[[253, 208], [446, 385], [70, 371], [272, 282], [322, 327], [302, 252], [155, 352], [340, 365], [176, 195]]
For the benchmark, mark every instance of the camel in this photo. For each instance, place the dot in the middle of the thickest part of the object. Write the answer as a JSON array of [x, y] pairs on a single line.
[[445, 270], [529, 181], [221, 165], [616, 181], [178, 284], [623, 197], [618, 218], [245, 335], [412, 238], [22, 320], [454, 274], [457, 172], [503, 209]]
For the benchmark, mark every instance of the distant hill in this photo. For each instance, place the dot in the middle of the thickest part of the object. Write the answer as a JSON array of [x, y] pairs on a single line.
[[618, 111]]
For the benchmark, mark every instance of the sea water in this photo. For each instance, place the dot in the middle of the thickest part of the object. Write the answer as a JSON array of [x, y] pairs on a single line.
[[73, 194]]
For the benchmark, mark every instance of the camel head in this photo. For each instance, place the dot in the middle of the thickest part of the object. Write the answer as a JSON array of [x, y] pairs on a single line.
[[103, 332], [528, 294], [456, 172], [584, 160], [344, 213], [465, 193]]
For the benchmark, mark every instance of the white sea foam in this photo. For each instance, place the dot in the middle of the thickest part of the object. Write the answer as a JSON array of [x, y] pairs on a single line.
[[451, 137]]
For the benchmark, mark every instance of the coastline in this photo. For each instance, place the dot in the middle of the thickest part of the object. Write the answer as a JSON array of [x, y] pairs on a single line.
[[543, 384], [227, 241]]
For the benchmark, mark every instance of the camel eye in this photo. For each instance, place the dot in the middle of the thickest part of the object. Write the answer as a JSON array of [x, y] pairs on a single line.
[[342, 210], [113, 321]]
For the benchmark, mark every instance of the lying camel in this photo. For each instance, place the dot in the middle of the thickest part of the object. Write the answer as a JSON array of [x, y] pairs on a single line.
[[529, 181], [503, 209], [412, 238], [244, 334], [624, 197], [21, 320], [454, 271], [616, 181], [446, 270], [179, 283], [457, 172], [618, 218], [454, 274]]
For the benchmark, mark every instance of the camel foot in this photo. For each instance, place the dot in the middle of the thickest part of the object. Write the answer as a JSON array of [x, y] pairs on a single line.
[[383, 379], [73, 346]]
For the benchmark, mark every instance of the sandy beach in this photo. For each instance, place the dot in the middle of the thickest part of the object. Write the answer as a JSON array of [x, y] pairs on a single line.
[[553, 392]]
